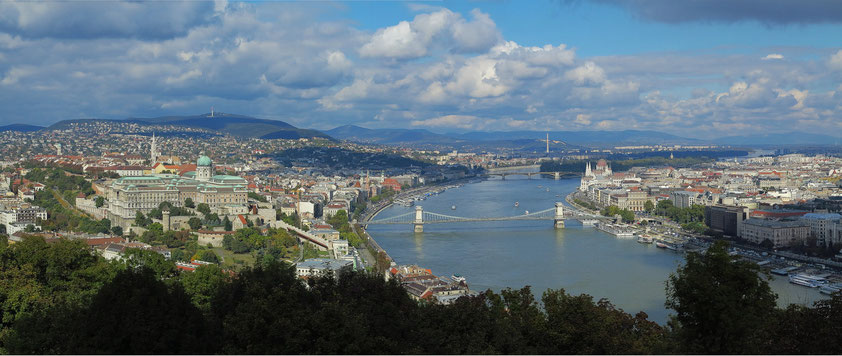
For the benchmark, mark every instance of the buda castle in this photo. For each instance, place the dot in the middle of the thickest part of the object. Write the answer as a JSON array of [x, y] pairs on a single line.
[[128, 195]]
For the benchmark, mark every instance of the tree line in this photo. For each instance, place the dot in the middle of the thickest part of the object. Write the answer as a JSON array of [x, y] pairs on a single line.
[[60, 298]]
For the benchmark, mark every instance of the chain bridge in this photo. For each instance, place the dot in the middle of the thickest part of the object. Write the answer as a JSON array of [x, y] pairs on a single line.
[[419, 217]]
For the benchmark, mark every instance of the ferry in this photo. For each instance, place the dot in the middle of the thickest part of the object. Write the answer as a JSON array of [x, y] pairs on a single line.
[[644, 239], [589, 222], [806, 280], [517, 204], [665, 245], [783, 271], [830, 288], [615, 230], [457, 278]]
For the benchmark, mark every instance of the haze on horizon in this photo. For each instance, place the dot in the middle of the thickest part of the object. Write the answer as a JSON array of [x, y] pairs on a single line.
[[709, 69]]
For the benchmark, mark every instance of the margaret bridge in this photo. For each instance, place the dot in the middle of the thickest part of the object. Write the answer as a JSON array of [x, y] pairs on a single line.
[[419, 217]]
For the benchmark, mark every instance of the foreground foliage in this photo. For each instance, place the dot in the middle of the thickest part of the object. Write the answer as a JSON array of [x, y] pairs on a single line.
[[58, 298]]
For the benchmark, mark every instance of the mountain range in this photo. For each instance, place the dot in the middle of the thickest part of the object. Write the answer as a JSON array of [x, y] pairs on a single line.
[[223, 123], [407, 136], [251, 127]]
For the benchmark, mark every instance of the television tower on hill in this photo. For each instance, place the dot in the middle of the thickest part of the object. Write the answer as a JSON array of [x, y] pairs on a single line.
[[548, 143]]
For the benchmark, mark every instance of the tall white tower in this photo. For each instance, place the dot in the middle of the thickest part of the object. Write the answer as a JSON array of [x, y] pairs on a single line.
[[548, 142], [153, 150]]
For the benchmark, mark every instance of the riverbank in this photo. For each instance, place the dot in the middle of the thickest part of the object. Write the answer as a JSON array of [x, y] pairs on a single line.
[[372, 247]]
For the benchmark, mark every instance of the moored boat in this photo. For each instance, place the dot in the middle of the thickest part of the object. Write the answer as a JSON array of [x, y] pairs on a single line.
[[806, 280], [645, 239]]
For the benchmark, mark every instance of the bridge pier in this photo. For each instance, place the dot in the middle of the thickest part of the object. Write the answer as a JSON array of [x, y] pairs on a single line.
[[559, 215], [557, 175], [419, 219]]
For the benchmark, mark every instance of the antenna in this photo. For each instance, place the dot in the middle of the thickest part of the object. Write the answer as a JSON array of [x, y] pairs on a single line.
[[548, 142]]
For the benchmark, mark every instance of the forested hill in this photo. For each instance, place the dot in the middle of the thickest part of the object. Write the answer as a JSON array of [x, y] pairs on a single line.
[[233, 124], [59, 298]]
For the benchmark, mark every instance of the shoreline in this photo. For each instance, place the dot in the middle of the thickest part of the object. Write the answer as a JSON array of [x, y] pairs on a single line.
[[370, 241]]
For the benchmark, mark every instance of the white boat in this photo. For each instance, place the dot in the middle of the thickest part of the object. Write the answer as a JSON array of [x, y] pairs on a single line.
[[616, 230], [806, 280], [830, 288], [589, 222], [644, 239], [453, 207], [457, 278], [517, 204], [527, 212]]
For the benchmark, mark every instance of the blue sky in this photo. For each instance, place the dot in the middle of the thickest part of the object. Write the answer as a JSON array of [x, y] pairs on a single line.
[[700, 69]]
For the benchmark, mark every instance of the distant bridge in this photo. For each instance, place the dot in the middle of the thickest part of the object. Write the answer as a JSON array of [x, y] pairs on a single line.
[[419, 217], [514, 168], [556, 175]]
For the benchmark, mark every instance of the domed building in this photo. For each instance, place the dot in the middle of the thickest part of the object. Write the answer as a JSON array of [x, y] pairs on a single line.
[[204, 168], [129, 195]]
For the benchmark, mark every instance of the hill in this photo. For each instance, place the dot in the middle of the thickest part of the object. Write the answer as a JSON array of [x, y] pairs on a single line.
[[232, 124], [777, 139], [389, 136], [20, 128], [584, 137], [523, 139]]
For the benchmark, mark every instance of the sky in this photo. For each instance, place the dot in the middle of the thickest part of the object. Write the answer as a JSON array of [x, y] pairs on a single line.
[[699, 69]]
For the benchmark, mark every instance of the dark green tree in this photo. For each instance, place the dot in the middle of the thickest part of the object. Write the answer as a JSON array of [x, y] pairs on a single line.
[[203, 208], [203, 284], [189, 203], [227, 223], [209, 256], [99, 201], [722, 304], [648, 206], [195, 223]]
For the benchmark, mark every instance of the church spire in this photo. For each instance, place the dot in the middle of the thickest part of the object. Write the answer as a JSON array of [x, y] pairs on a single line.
[[153, 150]]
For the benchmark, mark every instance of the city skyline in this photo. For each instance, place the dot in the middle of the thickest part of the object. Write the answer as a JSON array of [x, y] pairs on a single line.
[[709, 71]]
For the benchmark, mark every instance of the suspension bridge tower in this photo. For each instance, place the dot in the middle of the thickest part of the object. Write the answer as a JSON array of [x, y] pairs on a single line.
[[559, 215], [419, 219]]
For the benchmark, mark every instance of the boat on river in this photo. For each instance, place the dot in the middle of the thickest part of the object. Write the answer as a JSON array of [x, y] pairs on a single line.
[[457, 278], [645, 239], [615, 230], [784, 271], [666, 245], [806, 280], [830, 288], [517, 204]]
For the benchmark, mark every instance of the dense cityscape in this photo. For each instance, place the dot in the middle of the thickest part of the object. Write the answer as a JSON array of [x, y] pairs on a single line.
[[459, 177]]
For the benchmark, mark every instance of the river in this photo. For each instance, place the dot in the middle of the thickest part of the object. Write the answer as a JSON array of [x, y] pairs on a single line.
[[495, 255]]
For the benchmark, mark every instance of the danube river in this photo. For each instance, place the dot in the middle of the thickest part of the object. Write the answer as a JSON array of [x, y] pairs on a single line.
[[503, 254]]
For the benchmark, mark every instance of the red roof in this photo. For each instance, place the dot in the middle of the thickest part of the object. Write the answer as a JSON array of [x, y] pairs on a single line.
[[242, 219]]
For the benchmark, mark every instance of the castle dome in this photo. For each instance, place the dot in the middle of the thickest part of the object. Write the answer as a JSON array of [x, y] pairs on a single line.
[[203, 161]]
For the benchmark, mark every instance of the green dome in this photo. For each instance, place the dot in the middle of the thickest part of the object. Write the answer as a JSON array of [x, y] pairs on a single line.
[[203, 161]]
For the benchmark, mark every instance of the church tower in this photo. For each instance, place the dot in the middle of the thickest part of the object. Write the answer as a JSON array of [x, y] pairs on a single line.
[[153, 150]]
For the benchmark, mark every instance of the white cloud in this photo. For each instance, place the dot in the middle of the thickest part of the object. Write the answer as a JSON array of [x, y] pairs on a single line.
[[773, 56], [442, 28], [835, 61], [273, 60], [586, 74]]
